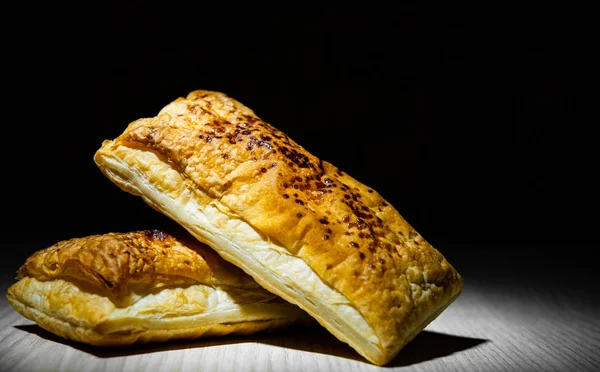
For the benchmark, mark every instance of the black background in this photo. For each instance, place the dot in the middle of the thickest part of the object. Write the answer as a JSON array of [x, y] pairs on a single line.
[[470, 119]]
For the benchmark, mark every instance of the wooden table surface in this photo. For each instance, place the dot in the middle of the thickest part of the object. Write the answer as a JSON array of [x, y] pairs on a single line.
[[519, 319]]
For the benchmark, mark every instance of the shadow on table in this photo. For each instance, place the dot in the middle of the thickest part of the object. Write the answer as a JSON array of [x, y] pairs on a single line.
[[426, 346], [430, 345]]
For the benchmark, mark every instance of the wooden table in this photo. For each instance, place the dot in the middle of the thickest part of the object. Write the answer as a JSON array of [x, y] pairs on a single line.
[[536, 316]]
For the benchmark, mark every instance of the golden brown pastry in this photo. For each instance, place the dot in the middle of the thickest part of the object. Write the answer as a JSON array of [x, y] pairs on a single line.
[[304, 229], [146, 286]]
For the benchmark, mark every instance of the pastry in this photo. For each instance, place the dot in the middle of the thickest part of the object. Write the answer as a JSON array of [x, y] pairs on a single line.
[[302, 228], [118, 289]]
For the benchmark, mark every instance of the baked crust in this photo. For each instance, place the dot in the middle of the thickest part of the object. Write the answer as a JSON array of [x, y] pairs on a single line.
[[345, 233], [145, 286]]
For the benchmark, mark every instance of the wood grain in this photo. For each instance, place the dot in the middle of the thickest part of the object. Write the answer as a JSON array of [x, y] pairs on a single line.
[[498, 324]]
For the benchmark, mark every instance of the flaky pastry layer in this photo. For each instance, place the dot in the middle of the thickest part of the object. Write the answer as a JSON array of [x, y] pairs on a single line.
[[302, 228], [146, 293]]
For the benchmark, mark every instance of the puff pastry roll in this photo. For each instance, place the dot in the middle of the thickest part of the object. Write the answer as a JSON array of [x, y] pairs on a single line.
[[145, 286], [304, 229]]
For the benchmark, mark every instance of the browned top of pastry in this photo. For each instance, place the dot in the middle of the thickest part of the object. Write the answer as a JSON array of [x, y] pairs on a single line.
[[115, 262], [344, 230]]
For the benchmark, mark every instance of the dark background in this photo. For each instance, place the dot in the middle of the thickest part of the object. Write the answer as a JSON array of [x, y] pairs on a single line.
[[470, 119]]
